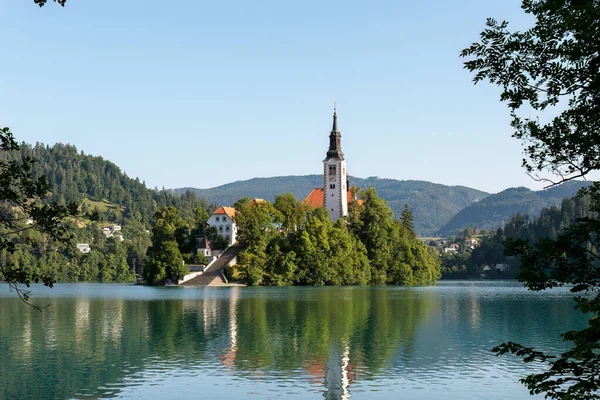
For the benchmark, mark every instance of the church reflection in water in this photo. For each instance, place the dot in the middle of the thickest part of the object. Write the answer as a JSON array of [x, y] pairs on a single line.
[[331, 342], [312, 338], [321, 341]]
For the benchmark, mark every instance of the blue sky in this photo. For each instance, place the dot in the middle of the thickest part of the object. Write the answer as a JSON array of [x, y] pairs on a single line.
[[198, 93]]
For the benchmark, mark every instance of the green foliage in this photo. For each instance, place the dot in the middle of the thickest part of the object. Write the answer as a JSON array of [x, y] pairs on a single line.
[[165, 261], [241, 203], [217, 241], [287, 244], [100, 186], [553, 69], [550, 223], [407, 219], [289, 212], [432, 204], [458, 266], [25, 207], [61, 175], [201, 259]]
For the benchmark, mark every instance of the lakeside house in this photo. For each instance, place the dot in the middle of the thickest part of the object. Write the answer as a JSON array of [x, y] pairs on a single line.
[[223, 220]]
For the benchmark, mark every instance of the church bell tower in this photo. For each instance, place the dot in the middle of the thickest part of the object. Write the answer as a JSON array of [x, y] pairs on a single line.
[[334, 177]]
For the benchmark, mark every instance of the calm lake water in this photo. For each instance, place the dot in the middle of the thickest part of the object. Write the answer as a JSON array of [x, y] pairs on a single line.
[[122, 341]]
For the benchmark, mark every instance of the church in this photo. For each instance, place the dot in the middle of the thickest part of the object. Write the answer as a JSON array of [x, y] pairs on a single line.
[[336, 192]]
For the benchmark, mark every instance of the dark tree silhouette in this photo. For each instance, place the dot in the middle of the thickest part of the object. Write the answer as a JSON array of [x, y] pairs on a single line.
[[554, 70], [22, 208]]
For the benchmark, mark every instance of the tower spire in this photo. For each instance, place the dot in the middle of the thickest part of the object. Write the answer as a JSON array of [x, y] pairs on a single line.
[[335, 127], [335, 140]]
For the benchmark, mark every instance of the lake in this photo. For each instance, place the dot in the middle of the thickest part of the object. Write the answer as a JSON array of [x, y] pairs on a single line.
[[133, 342]]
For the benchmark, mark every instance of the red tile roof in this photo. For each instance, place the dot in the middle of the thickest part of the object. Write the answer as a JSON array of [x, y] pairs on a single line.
[[316, 198], [229, 211]]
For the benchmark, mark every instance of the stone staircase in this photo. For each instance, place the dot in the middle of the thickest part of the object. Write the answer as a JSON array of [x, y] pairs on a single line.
[[213, 275]]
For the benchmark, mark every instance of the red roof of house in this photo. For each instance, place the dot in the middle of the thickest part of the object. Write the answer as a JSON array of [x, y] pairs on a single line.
[[316, 198], [229, 211]]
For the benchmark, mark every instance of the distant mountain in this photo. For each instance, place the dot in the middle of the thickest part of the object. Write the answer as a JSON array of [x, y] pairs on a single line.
[[433, 205], [495, 210]]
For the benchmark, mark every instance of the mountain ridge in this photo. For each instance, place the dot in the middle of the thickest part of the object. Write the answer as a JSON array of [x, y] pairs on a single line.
[[495, 210], [432, 204]]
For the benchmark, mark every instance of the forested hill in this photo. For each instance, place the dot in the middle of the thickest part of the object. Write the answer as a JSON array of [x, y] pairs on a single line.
[[497, 209], [433, 205], [100, 185]]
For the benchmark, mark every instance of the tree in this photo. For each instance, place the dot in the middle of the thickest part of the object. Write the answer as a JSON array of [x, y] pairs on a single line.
[[201, 259], [407, 219], [553, 69], [396, 255], [23, 207], [238, 205], [165, 259], [289, 211]]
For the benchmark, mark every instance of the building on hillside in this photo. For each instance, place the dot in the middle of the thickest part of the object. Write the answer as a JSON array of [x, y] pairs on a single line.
[[113, 231], [84, 247], [223, 221], [336, 192], [80, 224]]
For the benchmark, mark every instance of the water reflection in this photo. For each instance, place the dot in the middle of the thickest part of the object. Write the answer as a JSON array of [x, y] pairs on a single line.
[[333, 343]]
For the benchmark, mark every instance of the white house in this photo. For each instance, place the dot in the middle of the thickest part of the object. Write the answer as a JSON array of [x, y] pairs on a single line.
[[223, 221], [84, 247]]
